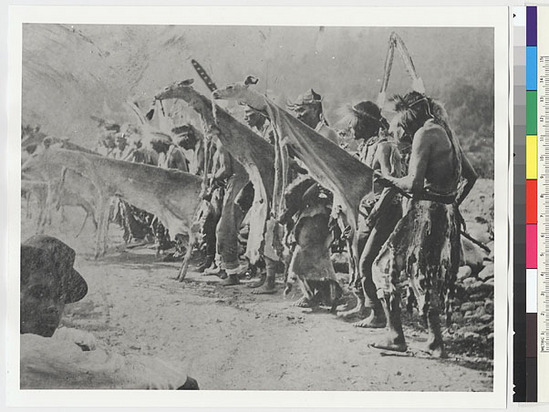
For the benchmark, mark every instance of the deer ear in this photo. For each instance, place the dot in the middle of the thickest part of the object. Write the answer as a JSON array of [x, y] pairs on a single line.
[[187, 82], [251, 80]]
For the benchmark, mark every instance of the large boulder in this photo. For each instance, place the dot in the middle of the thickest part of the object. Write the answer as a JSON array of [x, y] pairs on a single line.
[[473, 256], [487, 272]]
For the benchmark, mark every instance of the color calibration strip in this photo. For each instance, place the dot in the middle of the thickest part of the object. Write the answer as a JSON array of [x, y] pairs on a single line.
[[531, 204], [542, 131], [519, 203]]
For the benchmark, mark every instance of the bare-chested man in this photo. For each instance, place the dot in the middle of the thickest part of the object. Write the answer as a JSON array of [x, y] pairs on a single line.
[[426, 241], [384, 210]]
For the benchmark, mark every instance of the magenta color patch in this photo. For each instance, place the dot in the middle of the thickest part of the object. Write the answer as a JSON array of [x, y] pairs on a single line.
[[531, 246]]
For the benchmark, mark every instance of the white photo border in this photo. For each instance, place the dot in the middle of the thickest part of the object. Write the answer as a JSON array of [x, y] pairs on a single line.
[[495, 17]]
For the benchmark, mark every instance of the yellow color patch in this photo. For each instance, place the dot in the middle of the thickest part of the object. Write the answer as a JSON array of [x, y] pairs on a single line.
[[531, 157]]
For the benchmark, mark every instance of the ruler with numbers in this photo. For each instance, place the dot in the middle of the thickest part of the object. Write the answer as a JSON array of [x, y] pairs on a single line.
[[543, 190], [542, 129]]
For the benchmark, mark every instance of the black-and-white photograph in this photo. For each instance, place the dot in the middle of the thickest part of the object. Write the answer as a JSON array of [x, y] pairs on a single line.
[[257, 207]]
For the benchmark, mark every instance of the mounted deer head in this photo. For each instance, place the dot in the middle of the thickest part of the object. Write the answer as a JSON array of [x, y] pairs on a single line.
[[242, 93], [173, 91]]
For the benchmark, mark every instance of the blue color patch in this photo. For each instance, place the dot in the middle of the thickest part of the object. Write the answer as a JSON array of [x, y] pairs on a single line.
[[531, 68]]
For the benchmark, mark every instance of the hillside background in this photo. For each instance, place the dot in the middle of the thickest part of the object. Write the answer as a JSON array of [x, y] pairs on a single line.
[[73, 72]]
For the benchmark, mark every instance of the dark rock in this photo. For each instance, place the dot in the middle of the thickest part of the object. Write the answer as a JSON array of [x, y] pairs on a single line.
[[483, 329]]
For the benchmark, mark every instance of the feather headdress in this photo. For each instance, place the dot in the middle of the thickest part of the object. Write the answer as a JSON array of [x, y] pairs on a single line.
[[409, 101]]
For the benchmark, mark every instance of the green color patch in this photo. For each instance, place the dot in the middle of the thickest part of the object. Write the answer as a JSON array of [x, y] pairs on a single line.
[[531, 111]]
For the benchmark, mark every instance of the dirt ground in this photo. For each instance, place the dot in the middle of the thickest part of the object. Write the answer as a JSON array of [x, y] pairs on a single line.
[[229, 338]]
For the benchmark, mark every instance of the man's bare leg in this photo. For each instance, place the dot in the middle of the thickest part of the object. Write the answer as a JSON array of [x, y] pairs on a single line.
[[376, 239], [268, 287], [435, 343], [257, 269], [394, 340], [376, 318]]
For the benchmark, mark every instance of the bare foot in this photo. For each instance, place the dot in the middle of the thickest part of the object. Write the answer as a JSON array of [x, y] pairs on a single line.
[[372, 321], [435, 349], [304, 302], [259, 283], [206, 264], [359, 311], [212, 270], [389, 345], [265, 289], [438, 353]]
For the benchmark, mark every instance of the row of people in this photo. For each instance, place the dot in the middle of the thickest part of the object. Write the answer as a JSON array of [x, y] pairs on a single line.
[[127, 143], [422, 176], [411, 230]]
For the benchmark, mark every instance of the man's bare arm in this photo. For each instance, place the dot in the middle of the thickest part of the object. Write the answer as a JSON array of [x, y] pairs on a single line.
[[385, 199], [470, 176], [223, 166], [421, 150], [383, 158]]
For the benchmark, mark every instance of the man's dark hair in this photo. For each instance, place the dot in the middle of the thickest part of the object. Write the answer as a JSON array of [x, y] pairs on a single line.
[[366, 120], [186, 136], [370, 112], [415, 109]]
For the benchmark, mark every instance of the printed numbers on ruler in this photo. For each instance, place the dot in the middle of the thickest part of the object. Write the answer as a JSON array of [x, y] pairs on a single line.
[[543, 224]]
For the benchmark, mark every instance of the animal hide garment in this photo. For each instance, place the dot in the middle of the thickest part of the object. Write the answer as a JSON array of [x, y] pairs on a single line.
[[340, 172]]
